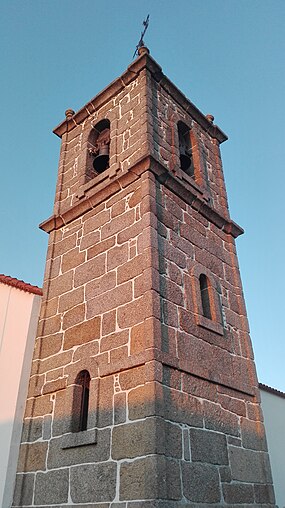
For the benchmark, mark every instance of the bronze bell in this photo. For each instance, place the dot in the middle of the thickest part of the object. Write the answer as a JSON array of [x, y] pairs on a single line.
[[101, 161]]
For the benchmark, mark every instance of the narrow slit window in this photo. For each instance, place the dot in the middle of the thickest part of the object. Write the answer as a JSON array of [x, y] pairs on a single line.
[[185, 149], [81, 401], [205, 296]]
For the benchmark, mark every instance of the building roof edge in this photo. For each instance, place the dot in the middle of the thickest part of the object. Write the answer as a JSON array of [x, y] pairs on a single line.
[[20, 284], [268, 389]]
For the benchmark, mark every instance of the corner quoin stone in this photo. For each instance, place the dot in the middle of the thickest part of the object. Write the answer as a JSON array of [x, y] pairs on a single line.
[[146, 437], [24, 489], [154, 477]]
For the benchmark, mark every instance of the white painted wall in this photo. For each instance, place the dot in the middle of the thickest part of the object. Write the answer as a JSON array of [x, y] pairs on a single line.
[[19, 312], [273, 407]]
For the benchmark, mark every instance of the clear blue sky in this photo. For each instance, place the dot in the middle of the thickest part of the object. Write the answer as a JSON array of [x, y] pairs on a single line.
[[227, 56]]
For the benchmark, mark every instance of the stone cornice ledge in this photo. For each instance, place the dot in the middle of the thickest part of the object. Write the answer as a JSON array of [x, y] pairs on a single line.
[[189, 193], [166, 359], [96, 194]]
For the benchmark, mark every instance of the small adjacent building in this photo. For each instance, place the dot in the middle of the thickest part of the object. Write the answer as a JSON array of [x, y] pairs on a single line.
[[19, 312], [273, 406]]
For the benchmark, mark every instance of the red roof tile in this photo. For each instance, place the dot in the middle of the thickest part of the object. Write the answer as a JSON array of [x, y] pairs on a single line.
[[20, 284]]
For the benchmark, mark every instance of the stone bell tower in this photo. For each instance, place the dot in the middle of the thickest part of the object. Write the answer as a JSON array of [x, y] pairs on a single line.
[[143, 390]]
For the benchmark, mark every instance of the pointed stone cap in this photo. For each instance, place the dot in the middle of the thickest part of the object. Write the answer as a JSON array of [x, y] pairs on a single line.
[[210, 118], [69, 114]]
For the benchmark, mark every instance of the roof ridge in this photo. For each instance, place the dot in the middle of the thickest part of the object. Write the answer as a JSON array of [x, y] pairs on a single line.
[[20, 284]]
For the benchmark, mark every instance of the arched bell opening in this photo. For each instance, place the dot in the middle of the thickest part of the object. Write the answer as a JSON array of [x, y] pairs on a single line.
[[185, 149], [100, 145]]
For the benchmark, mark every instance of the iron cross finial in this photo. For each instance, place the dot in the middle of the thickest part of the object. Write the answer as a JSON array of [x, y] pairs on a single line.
[[141, 42]]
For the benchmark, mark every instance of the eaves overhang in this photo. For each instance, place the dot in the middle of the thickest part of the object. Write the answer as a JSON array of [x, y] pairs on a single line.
[[271, 390], [20, 284]]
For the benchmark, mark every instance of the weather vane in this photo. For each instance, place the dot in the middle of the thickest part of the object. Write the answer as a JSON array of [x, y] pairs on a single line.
[[141, 42]]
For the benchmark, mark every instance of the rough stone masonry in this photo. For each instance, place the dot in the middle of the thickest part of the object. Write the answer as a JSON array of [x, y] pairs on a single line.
[[142, 291]]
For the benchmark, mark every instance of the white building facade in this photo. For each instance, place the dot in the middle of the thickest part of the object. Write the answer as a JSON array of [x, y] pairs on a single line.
[[19, 311], [273, 406]]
